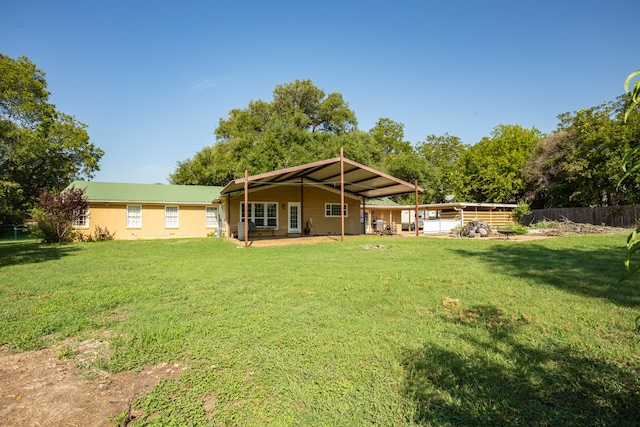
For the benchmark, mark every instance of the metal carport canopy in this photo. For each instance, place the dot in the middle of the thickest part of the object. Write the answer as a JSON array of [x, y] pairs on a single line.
[[359, 180]]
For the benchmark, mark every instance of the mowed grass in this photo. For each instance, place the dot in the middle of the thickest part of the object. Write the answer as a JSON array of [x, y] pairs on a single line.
[[373, 331]]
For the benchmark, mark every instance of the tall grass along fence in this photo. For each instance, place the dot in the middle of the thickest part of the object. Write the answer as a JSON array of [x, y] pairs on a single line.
[[612, 216]]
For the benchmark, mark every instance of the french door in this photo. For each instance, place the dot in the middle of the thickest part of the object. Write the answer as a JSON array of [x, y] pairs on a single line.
[[295, 225]]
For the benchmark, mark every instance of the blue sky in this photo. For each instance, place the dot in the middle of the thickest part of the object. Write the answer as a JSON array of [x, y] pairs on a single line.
[[151, 80]]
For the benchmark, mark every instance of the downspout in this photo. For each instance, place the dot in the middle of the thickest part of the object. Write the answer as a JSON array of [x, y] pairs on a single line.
[[461, 210]]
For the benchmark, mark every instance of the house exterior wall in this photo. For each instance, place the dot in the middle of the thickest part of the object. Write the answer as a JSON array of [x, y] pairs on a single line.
[[113, 216], [312, 202]]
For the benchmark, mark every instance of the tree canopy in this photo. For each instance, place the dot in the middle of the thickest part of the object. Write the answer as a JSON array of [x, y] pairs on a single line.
[[492, 169], [441, 155], [579, 164], [41, 148], [576, 165], [301, 124]]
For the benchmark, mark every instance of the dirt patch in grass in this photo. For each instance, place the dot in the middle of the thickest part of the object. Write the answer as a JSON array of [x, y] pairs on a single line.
[[279, 241], [50, 388]]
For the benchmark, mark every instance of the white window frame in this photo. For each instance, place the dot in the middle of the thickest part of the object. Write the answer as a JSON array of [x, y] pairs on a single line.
[[259, 214], [222, 212], [332, 210], [82, 221], [211, 217], [171, 220], [134, 219]]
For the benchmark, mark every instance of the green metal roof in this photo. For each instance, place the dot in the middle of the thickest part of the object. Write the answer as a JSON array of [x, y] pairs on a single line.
[[148, 193], [383, 201]]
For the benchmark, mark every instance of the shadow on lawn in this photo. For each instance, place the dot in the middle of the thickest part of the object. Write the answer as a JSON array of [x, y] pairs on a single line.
[[501, 381], [15, 253], [584, 271]]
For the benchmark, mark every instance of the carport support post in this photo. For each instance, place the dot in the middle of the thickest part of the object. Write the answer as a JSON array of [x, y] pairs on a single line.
[[228, 218], [415, 184], [341, 194], [301, 209], [246, 208], [364, 212]]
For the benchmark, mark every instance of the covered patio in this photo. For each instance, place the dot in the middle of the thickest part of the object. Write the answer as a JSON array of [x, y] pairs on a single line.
[[309, 195]]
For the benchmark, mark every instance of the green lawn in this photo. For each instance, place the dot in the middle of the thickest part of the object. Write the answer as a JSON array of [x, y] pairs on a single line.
[[345, 333]]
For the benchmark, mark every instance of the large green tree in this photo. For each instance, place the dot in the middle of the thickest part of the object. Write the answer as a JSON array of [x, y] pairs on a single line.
[[579, 164], [441, 154], [388, 135], [300, 125], [41, 148], [396, 156], [492, 170]]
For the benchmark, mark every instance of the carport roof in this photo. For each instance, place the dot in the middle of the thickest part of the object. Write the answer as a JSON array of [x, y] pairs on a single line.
[[359, 180]]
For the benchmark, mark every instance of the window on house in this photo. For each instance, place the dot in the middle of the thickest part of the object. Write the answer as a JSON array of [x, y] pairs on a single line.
[[211, 217], [221, 216], [333, 210], [272, 214], [171, 219], [262, 214], [258, 214], [134, 216], [82, 219]]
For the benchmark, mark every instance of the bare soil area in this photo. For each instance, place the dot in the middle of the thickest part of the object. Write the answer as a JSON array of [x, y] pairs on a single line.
[[278, 241], [38, 388]]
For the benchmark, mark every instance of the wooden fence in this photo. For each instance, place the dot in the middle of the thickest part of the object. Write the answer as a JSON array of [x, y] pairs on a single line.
[[612, 216]]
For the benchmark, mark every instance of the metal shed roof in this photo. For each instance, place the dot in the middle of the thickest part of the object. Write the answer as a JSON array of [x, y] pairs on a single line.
[[359, 180]]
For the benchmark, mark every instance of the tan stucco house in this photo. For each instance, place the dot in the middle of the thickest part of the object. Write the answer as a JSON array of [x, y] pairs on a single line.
[[149, 211], [320, 198]]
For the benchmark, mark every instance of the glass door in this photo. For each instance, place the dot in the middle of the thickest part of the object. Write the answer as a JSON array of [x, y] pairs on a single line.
[[294, 218]]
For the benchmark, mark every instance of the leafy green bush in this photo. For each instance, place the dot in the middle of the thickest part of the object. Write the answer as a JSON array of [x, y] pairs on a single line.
[[543, 225], [523, 209], [99, 234], [633, 241], [518, 228], [56, 213]]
